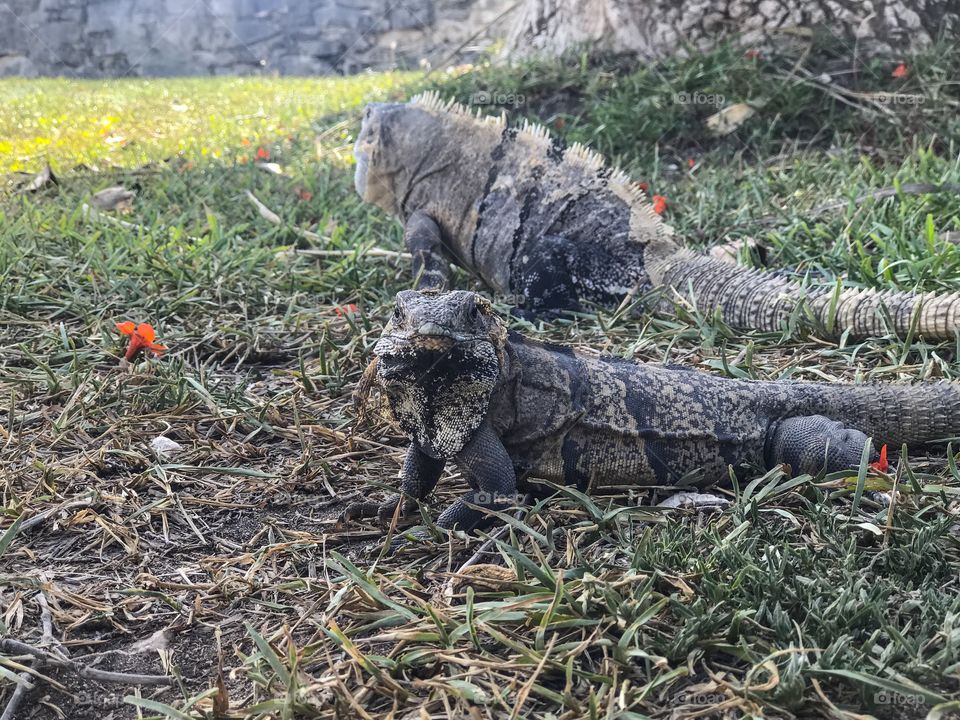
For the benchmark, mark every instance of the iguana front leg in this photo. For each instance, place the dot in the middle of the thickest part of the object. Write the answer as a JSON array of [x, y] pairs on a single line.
[[431, 267], [488, 468], [418, 478], [814, 443]]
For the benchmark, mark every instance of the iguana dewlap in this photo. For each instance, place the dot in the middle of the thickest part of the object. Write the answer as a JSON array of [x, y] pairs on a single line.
[[502, 407], [555, 228]]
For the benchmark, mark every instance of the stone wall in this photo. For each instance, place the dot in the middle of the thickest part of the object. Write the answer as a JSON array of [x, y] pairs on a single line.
[[118, 38]]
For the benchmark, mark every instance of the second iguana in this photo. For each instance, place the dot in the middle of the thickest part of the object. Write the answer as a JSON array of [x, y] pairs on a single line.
[[503, 408], [558, 228]]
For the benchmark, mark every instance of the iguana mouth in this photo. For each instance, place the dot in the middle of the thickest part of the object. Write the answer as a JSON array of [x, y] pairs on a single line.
[[418, 354]]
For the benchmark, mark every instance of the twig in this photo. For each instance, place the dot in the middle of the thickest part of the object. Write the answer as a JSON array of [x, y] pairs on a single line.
[[46, 619], [15, 646], [91, 213], [370, 252], [23, 687], [271, 217], [41, 516]]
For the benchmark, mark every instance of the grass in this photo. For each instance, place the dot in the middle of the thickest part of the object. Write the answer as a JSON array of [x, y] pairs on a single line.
[[805, 598]]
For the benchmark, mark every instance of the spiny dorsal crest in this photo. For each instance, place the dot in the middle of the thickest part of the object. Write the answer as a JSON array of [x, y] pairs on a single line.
[[644, 220]]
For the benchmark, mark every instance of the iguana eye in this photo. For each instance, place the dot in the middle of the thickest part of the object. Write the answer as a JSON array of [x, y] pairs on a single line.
[[397, 313], [474, 312]]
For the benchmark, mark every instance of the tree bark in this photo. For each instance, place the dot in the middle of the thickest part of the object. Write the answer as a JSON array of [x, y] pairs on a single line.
[[657, 28]]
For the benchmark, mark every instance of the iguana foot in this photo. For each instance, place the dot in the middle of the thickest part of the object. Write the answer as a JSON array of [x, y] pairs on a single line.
[[812, 444]]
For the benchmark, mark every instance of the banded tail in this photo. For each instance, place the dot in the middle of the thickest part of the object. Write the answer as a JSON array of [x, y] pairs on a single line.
[[891, 414], [751, 299]]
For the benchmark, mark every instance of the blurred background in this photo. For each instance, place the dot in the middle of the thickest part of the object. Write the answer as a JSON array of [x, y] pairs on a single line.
[[131, 38]]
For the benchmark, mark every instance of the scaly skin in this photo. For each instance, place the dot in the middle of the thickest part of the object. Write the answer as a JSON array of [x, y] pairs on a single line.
[[505, 409], [556, 227]]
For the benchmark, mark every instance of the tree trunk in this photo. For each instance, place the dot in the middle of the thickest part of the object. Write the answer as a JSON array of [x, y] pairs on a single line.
[[658, 28]]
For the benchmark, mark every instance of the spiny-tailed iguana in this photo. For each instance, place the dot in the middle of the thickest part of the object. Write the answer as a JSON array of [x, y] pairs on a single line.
[[502, 406], [556, 226]]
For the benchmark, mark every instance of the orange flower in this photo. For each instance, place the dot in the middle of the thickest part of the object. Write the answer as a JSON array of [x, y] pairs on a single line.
[[245, 141], [263, 154], [900, 71], [881, 465], [691, 162], [350, 309], [141, 336], [659, 204], [304, 194]]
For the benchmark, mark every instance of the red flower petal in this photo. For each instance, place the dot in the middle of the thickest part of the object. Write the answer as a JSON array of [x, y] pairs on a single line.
[[900, 71], [881, 465], [659, 204], [263, 154], [146, 332], [126, 328]]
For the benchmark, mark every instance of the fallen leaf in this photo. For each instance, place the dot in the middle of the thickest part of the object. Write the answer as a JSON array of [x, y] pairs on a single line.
[[114, 198], [729, 118], [270, 167], [164, 446], [158, 641], [42, 179], [483, 576]]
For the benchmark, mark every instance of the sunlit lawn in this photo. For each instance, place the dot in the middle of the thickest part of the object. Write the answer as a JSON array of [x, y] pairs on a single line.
[[130, 122]]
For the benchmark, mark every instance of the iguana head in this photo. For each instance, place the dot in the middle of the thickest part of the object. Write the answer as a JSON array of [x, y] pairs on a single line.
[[388, 149], [420, 145], [439, 360]]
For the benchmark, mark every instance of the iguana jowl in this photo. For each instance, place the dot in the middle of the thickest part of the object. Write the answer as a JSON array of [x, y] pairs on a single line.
[[503, 407], [555, 225]]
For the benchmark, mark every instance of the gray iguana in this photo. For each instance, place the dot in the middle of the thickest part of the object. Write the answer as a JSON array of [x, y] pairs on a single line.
[[504, 407], [556, 226]]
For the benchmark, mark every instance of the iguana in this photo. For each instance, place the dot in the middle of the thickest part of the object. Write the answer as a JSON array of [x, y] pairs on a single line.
[[504, 407], [555, 226]]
